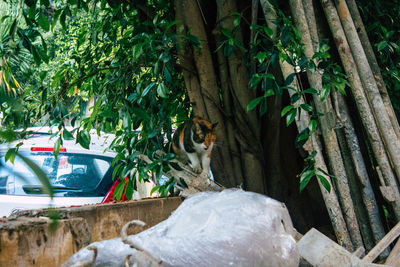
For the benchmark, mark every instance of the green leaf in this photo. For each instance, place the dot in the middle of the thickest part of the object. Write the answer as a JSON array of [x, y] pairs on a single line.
[[137, 51], [13, 29], [286, 110], [129, 190], [325, 183], [56, 149], [310, 91], [154, 189], [3, 18], [167, 75], [62, 20], [341, 87], [236, 21], [117, 171], [10, 155], [312, 125], [119, 190], [36, 56], [43, 22], [8, 135], [302, 138], [382, 45], [253, 103], [45, 3], [255, 80], [305, 178], [67, 135], [291, 116], [261, 56], [263, 107], [148, 88], [326, 89], [55, 18], [306, 107], [311, 66], [294, 98], [83, 139], [161, 90], [268, 31], [269, 92], [194, 40], [41, 175], [290, 78]]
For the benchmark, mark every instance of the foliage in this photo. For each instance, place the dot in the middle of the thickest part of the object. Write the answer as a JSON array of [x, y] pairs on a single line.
[[115, 54], [58, 55], [287, 47], [381, 22]]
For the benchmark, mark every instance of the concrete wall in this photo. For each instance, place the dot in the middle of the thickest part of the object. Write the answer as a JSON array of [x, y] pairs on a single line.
[[26, 239]]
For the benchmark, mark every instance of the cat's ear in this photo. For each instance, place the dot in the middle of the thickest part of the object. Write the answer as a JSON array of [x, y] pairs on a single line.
[[214, 125]]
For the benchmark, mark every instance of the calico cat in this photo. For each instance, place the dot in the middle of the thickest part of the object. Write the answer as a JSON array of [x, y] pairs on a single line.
[[193, 141]]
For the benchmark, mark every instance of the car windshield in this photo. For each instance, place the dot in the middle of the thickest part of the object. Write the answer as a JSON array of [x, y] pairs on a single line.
[[72, 173]]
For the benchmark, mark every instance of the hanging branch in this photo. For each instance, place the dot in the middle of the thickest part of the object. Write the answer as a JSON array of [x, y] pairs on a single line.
[[362, 103], [302, 121]]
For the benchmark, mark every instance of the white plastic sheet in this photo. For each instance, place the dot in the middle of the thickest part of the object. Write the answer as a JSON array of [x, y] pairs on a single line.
[[228, 228]]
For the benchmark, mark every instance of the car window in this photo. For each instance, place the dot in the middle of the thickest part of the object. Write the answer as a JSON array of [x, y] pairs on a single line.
[[70, 172]]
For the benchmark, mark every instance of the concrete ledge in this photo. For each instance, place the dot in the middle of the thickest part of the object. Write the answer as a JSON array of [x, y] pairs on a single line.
[[26, 240]]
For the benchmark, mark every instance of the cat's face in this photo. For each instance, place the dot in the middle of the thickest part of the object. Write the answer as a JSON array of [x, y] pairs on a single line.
[[203, 132]]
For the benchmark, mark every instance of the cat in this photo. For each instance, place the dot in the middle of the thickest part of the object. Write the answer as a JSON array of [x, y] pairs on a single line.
[[193, 142]]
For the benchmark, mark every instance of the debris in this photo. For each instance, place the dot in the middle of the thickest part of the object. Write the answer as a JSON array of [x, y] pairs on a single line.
[[319, 250]]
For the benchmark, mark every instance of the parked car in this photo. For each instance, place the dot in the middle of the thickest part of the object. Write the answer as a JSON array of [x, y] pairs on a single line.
[[78, 176]]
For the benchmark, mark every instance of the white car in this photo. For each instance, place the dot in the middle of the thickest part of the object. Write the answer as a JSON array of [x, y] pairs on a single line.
[[78, 176]]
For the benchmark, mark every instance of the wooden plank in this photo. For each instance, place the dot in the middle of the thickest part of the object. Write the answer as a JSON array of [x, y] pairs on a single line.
[[394, 256], [383, 244]]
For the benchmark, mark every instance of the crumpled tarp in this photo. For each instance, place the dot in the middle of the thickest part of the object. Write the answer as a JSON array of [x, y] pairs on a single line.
[[228, 228]]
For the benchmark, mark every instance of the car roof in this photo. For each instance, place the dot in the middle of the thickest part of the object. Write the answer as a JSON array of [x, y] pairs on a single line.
[[42, 137]]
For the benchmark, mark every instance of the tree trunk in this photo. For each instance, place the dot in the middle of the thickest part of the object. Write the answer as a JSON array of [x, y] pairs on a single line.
[[362, 102], [229, 113], [327, 123], [330, 198], [360, 171], [189, 11], [242, 95]]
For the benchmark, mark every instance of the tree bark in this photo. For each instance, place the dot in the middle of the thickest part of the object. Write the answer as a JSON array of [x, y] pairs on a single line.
[[330, 198], [252, 155], [361, 101], [227, 99], [360, 171]]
